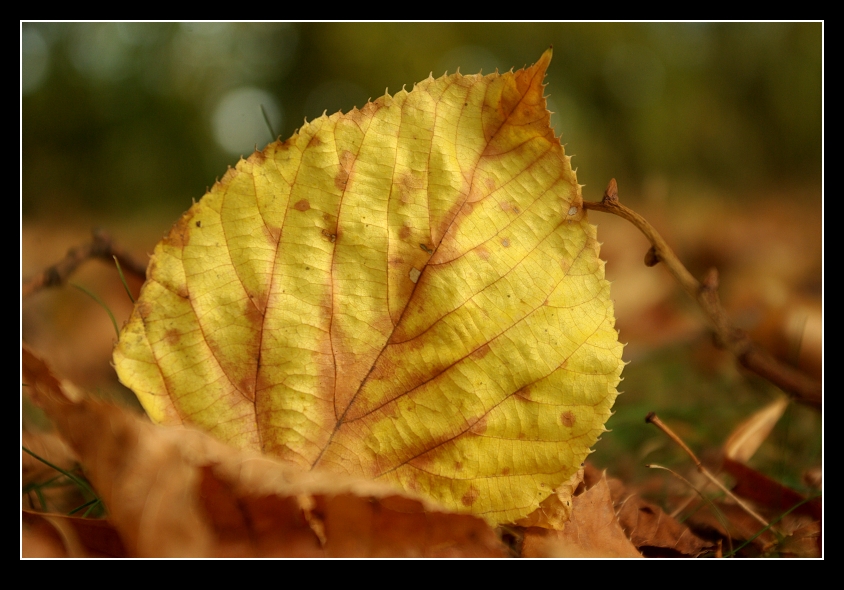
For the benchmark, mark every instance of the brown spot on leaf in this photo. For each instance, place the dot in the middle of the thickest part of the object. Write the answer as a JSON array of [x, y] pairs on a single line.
[[199, 224], [341, 178], [396, 261], [469, 497], [480, 352], [179, 235], [458, 465], [183, 292], [524, 392], [404, 232], [475, 194], [479, 427], [406, 185], [172, 336], [247, 387], [505, 471], [482, 252], [257, 158], [329, 236], [315, 142], [505, 242], [271, 234], [144, 309], [567, 419], [302, 205]]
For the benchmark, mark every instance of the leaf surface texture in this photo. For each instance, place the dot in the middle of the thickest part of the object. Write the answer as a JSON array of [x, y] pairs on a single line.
[[408, 292]]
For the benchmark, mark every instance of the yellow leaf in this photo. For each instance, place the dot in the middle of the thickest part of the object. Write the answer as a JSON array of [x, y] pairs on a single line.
[[410, 292]]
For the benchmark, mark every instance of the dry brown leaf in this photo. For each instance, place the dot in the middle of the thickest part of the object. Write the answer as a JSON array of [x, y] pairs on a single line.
[[40, 539], [774, 497], [592, 531], [746, 439], [61, 495], [178, 492], [803, 542], [740, 526], [656, 533], [69, 536], [648, 527], [49, 446]]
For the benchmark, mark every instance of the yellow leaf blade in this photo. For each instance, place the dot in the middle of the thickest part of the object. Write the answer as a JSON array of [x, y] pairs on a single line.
[[410, 292]]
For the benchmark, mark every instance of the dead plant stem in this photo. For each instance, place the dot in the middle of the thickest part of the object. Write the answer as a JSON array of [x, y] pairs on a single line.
[[101, 246], [652, 418], [802, 387]]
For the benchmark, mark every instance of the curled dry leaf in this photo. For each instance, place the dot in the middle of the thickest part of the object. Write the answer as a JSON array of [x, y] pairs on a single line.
[[656, 533], [555, 510], [410, 292], [179, 492], [592, 531], [648, 527], [748, 436]]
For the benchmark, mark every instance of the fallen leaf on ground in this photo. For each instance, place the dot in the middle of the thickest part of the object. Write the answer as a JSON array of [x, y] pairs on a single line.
[[410, 292], [179, 492], [769, 494], [649, 528], [44, 488], [733, 524], [592, 531], [803, 542], [748, 436], [69, 536]]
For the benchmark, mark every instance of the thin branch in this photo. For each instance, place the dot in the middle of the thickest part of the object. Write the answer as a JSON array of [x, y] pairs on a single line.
[[751, 356], [652, 418], [101, 246]]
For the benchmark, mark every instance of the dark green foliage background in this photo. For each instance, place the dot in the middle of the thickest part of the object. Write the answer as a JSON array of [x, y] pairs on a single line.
[[129, 129]]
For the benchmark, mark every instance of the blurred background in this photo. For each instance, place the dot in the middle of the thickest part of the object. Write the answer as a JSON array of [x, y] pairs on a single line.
[[713, 130], [132, 118]]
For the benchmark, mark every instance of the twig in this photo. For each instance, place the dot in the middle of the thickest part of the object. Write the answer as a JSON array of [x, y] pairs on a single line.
[[802, 387], [652, 418], [101, 246]]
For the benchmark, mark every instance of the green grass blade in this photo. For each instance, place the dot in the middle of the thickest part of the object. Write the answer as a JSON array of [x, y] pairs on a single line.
[[123, 279], [773, 522], [89, 504], [102, 304], [80, 482], [269, 125]]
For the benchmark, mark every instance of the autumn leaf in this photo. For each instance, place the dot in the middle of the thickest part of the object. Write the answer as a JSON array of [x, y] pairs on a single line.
[[594, 530], [179, 492], [409, 292]]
